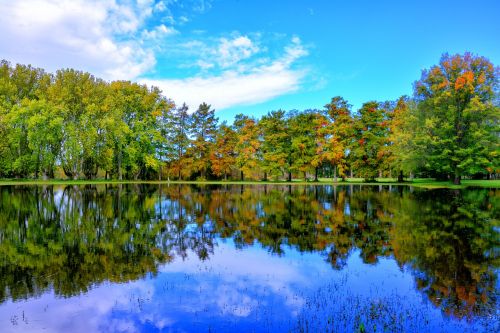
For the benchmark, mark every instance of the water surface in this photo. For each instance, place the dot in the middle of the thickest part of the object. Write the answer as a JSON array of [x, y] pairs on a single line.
[[158, 258]]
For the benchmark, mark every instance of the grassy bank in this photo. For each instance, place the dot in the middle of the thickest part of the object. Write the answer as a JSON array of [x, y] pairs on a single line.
[[424, 183]]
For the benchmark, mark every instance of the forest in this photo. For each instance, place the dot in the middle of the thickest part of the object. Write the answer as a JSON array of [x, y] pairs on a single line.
[[74, 125]]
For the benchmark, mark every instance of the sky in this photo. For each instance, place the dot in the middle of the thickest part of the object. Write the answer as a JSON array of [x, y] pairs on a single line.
[[255, 56]]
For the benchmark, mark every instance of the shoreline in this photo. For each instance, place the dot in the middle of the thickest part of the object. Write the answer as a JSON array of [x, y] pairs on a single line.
[[421, 183]]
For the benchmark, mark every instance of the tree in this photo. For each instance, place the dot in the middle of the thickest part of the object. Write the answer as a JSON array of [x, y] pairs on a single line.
[[44, 127], [135, 131], [402, 152], [247, 148], [276, 144], [222, 157], [179, 136], [165, 150], [72, 92], [303, 144], [371, 128], [458, 122], [336, 133], [204, 129], [19, 86]]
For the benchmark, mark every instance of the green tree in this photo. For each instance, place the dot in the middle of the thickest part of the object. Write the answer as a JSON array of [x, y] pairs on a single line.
[[72, 92], [276, 144], [371, 129], [204, 129], [458, 125], [179, 136], [303, 143], [401, 151]]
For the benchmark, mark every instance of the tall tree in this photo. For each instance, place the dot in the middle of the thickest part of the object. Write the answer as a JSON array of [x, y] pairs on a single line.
[[72, 92], [179, 136], [277, 143], [402, 153], [303, 144], [371, 129], [247, 147], [458, 119], [336, 135], [44, 136], [222, 157], [204, 129]]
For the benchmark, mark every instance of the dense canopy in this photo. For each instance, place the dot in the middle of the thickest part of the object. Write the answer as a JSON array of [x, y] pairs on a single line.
[[72, 124]]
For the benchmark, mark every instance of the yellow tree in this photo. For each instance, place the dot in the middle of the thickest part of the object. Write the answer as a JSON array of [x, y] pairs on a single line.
[[247, 145], [222, 157], [335, 131]]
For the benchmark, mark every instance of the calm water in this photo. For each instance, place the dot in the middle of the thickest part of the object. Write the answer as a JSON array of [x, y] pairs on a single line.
[[154, 258]]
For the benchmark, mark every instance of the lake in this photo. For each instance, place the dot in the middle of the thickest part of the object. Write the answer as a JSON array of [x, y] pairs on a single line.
[[253, 258]]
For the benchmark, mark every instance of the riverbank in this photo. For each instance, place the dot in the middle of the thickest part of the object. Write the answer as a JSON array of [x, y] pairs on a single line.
[[424, 183]]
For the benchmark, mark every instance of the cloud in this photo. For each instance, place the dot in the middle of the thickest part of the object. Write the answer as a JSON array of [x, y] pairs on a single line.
[[232, 51], [238, 84], [103, 37], [123, 40], [158, 32]]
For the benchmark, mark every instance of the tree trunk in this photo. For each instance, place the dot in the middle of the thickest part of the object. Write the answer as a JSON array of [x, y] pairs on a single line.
[[241, 175], [456, 179], [351, 176], [289, 177], [120, 174], [400, 177], [37, 164], [316, 174], [335, 179], [265, 176]]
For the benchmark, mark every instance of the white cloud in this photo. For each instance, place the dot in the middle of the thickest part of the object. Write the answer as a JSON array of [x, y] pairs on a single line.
[[115, 40], [96, 36], [234, 50], [160, 6], [241, 85], [158, 32]]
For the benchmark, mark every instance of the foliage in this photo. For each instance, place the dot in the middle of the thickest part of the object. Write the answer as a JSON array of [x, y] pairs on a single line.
[[371, 130], [75, 124], [458, 125]]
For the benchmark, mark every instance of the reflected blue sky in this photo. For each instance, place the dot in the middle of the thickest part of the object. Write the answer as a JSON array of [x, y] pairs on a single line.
[[152, 258], [236, 290]]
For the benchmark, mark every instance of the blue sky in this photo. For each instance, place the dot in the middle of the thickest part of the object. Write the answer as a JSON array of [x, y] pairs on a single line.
[[251, 56]]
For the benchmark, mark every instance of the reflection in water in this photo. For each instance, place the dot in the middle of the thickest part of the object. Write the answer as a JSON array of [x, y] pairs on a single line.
[[82, 240]]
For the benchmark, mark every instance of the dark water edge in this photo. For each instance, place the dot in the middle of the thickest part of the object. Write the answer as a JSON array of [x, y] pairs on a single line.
[[263, 258]]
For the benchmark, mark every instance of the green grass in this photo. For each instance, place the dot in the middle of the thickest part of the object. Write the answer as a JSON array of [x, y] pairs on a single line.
[[424, 183]]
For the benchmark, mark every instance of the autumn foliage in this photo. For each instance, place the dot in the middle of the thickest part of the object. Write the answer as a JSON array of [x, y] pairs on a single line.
[[71, 124]]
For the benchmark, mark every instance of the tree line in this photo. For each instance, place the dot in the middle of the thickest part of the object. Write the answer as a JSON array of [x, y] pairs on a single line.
[[75, 124]]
